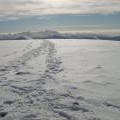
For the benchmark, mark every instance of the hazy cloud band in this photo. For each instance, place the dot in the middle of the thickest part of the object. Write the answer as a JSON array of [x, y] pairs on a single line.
[[12, 9]]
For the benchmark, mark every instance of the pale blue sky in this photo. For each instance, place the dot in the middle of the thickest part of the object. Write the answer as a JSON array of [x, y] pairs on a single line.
[[65, 16]]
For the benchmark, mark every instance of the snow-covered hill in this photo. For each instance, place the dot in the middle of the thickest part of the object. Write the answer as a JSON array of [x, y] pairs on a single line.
[[59, 80]]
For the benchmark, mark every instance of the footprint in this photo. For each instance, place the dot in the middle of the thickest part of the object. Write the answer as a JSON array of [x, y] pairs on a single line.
[[3, 70], [29, 117], [94, 119], [80, 98], [67, 116], [75, 103], [8, 102], [78, 108]]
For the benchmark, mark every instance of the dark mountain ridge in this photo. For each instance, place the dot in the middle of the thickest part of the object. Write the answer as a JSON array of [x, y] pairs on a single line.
[[48, 34]]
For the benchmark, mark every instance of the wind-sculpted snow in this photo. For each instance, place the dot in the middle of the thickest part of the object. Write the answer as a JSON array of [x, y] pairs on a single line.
[[60, 80]]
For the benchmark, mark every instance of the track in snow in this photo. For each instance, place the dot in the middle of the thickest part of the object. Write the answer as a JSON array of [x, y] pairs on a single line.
[[32, 101]]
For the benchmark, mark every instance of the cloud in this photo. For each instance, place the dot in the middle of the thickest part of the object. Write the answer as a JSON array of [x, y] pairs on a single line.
[[20, 8]]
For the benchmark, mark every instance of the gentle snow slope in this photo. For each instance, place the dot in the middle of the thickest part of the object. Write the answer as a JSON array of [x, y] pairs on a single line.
[[59, 80]]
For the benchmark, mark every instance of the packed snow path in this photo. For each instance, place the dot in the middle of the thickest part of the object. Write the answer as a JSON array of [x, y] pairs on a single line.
[[37, 83], [32, 97]]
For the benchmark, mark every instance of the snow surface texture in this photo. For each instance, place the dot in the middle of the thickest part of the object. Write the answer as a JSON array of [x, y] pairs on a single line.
[[59, 80]]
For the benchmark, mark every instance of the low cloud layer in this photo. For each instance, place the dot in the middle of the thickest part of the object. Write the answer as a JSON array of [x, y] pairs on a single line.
[[14, 9]]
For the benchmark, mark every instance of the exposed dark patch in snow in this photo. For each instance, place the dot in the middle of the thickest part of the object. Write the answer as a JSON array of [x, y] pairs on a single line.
[[3, 114]]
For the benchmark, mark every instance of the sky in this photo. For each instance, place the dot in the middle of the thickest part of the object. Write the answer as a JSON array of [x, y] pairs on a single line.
[[61, 15]]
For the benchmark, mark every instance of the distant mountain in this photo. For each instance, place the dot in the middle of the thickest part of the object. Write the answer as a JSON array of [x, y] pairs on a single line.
[[11, 37], [48, 34]]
